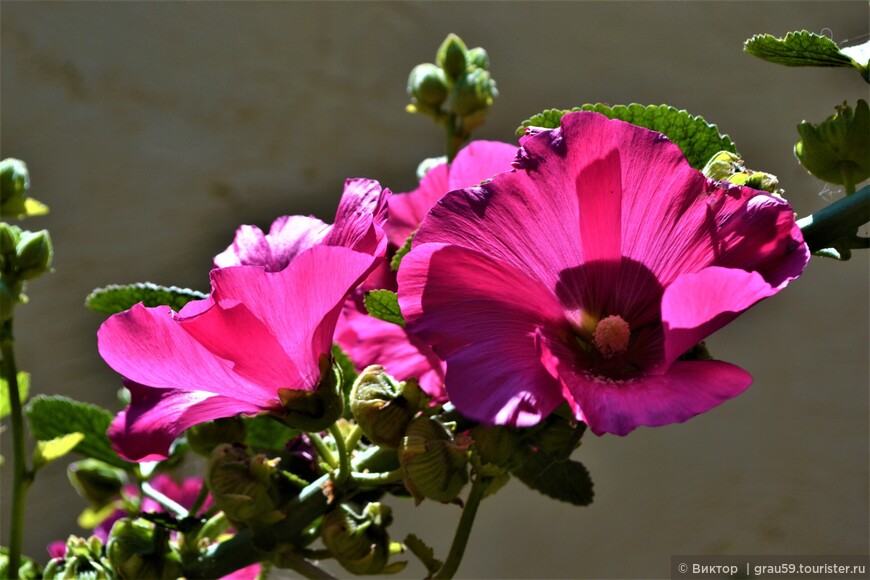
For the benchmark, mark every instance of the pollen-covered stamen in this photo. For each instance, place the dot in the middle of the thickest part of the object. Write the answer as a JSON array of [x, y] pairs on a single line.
[[611, 336]]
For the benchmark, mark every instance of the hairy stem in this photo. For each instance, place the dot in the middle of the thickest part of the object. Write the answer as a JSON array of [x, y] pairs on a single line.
[[343, 457], [463, 530], [840, 219], [22, 477]]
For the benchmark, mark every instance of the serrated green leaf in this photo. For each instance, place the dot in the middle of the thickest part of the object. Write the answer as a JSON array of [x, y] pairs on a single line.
[[48, 451], [384, 305], [117, 298], [566, 481], [423, 552], [266, 433], [400, 253], [53, 416], [698, 139], [23, 389], [801, 48]]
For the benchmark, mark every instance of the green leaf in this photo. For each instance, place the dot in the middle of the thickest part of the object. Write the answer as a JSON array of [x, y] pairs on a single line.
[[400, 253], [266, 433], [23, 389], [117, 298], [698, 139], [55, 416], [800, 49], [93, 516], [423, 552], [566, 481], [384, 305], [48, 451]]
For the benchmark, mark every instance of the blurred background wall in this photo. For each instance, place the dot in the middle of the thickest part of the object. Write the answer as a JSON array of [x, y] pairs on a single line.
[[153, 130]]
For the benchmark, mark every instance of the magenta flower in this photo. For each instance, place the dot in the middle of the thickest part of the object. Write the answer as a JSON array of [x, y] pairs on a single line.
[[477, 161], [358, 225], [367, 340], [584, 275]]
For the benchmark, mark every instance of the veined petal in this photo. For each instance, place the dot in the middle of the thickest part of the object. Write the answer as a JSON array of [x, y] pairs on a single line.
[[482, 318], [360, 217], [478, 161], [288, 237], [696, 305], [687, 389], [145, 430]]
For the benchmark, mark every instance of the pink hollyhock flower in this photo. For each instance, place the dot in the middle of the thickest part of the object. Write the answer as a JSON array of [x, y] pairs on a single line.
[[367, 340], [585, 274], [477, 161], [258, 335], [358, 221]]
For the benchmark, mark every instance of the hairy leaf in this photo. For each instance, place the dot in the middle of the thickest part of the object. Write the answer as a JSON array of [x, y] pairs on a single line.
[[384, 305], [117, 298], [801, 48], [48, 451], [698, 139], [265, 432], [567, 481], [55, 416], [423, 552]]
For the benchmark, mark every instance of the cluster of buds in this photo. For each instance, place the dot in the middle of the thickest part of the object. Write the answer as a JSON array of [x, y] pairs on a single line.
[[727, 166], [83, 558], [14, 183], [457, 90], [359, 542], [140, 549]]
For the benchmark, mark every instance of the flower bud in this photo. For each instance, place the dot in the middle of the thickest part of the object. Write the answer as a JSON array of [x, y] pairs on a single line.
[[9, 297], [359, 543], [242, 486], [14, 182], [313, 411], [838, 149], [204, 437], [33, 254], [478, 57], [9, 236], [84, 558], [435, 465], [383, 407], [722, 166], [427, 85], [97, 482], [135, 551], [474, 91], [452, 56]]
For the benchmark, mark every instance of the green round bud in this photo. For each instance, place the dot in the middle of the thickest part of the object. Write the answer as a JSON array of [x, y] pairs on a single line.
[[478, 57], [314, 411], [243, 486], [359, 543], [452, 56], [14, 182], [474, 91], [204, 437], [838, 149], [33, 254], [435, 465], [383, 407], [97, 482], [427, 85], [9, 236], [134, 551]]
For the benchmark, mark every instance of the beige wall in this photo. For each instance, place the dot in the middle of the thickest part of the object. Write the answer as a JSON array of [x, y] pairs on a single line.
[[154, 129]]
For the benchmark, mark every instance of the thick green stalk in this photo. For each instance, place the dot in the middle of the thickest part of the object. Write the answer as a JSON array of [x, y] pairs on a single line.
[[22, 477], [463, 530], [343, 457], [842, 218]]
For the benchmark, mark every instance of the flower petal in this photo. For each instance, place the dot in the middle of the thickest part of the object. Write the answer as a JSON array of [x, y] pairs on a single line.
[[360, 217], [478, 161], [482, 318], [288, 237], [145, 430], [687, 389]]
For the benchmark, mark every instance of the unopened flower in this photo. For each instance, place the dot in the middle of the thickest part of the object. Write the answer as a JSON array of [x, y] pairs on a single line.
[[584, 275]]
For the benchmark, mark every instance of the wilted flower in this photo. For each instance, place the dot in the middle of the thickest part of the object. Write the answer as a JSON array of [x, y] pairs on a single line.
[[584, 275]]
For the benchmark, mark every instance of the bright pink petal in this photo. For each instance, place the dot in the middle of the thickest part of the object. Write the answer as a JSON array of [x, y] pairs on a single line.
[[478, 161], [696, 305], [247, 573], [288, 237], [145, 430], [360, 217], [687, 389], [368, 341], [482, 318]]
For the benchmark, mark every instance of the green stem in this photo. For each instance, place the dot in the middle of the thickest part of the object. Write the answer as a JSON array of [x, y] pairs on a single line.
[[453, 140], [353, 438], [200, 500], [848, 180], [306, 569], [842, 218], [22, 477], [463, 530], [171, 505], [323, 450], [384, 478], [214, 527], [343, 457]]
